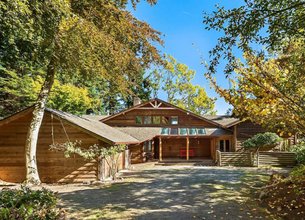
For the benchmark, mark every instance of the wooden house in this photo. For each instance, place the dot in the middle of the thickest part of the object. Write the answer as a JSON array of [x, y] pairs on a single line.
[[154, 129], [167, 132]]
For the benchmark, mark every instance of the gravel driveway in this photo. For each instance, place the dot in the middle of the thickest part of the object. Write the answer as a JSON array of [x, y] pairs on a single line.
[[173, 192]]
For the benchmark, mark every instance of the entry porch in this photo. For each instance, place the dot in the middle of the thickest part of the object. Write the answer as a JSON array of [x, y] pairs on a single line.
[[187, 148]]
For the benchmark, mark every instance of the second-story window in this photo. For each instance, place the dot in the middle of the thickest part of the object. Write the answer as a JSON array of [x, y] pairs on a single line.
[[139, 120], [174, 120], [156, 120], [147, 120]]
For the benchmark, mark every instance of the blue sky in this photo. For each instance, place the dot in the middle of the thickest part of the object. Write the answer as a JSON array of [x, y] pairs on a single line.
[[180, 22]]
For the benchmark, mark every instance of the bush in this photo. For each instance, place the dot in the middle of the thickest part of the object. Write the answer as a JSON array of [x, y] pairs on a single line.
[[298, 173], [299, 149], [29, 204], [267, 139]]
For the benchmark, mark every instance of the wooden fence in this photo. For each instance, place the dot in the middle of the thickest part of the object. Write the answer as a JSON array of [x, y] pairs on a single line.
[[276, 159], [239, 159], [246, 159]]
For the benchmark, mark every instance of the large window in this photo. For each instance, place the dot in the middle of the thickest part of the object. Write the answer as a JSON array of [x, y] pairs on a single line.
[[147, 146], [192, 131], [224, 145], [174, 120], [147, 120], [165, 131], [156, 120], [174, 131], [139, 120], [183, 131], [201, 131], [165, 120]]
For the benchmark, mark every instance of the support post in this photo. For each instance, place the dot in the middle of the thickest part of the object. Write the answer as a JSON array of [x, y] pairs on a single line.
[[235, 137], [219, 158], [187, 148], [153, 149], [160, 149]]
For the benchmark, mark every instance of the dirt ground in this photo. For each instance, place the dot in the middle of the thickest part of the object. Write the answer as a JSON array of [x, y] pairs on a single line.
[[169, 192]]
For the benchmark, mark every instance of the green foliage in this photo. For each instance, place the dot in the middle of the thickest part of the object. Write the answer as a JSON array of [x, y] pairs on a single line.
[[268, 88], [29, 204], [175, 80], [110, 154], [93, 44], [299, 149], [258, 22], [261, 140], [298, 173], [270, 91]]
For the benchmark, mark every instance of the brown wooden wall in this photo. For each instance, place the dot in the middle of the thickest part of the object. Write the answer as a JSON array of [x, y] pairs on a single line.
[[128, 119], [136, 151], [171, 146], [52, 166], [245, 130]]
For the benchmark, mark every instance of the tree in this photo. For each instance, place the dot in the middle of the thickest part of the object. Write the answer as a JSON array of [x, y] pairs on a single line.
[[262, 141], [85, 38], [17, 92], [268, 86], [175, 80], [255, 24], [271, 91]]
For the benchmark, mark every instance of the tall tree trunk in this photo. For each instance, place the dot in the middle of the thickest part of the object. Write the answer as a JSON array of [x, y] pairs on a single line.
[[32, 176]]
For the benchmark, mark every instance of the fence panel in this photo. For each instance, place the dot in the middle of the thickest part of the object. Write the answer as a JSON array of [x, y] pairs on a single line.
[[239, 159], [276, 159]]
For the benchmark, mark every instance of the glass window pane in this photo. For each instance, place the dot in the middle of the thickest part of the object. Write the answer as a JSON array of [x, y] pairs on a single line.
[[221, 145], [192, 131], [174, 131], [165, 120], [201, 131], [147, 120], [165, 131], [156, 120], [138, 119], [227, 145], [183, 131], [174, 120]]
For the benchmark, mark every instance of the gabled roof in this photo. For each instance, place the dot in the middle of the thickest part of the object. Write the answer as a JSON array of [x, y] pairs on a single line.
[[95, 117], [165, 103], [224, 120], [95, 128], [141, 133]]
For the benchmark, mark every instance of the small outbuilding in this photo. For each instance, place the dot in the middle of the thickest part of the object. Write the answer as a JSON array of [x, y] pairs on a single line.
[[57, 127]]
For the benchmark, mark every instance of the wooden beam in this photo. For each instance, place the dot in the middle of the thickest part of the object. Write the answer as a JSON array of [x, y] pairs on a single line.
[[187, 148], [235, 137], [153, 149], [164, 108], [160, 149]]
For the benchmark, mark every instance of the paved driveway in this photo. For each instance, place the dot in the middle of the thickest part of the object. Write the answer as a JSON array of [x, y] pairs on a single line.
[[173, 192]]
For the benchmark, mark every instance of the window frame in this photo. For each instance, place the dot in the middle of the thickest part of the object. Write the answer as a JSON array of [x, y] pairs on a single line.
[[150, 121], [141, 119], [172, 118], [226, 145]]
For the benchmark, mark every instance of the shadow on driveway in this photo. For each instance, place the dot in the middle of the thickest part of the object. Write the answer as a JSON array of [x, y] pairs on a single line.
[[171, 193]]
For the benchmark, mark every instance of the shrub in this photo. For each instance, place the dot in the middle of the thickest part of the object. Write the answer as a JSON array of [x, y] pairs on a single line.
[[298, 173], [267, 139], [29, 204], [299, 149]]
